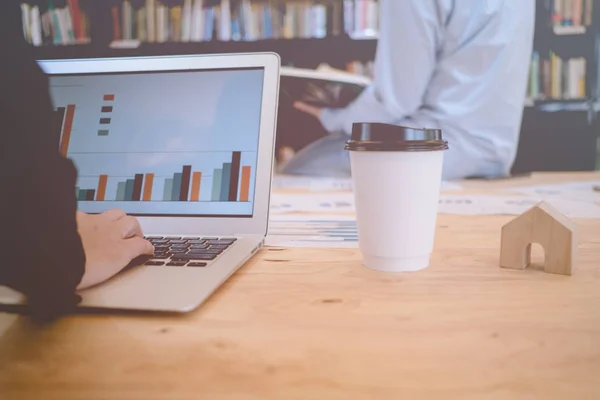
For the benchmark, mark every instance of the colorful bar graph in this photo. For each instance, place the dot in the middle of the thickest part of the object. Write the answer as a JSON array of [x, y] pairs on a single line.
[[109, 97], [104, 121], [129, 189], [176, 186], [245, 186], [107, 109], [102, 132], [148, 184], [67, 128], [216, 189], [186, 176], [102, 181], [229, 184], [235, 176], [167, 192], [137, 187], [225, 180], [196, 181]]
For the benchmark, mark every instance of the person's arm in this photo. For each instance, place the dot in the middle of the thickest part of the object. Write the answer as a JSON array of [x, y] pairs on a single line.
[[410, 33], [43, 256]]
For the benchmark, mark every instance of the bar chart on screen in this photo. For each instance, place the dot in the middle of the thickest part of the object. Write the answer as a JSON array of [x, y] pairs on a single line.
[[162, 144], [229, 182]]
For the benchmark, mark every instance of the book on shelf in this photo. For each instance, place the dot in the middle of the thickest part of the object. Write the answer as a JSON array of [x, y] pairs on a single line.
[[556, 78], [569, 16], [160, 21]]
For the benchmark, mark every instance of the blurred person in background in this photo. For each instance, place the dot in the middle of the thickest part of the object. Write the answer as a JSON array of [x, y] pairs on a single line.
[[458, 65]]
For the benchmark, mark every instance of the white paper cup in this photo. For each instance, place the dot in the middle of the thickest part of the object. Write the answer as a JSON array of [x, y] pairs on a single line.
[[397, 174]]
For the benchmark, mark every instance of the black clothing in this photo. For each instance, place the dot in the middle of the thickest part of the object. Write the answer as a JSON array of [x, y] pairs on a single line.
[[41, 251]]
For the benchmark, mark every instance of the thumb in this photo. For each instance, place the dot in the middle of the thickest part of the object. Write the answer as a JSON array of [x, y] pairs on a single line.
[[137, 246]]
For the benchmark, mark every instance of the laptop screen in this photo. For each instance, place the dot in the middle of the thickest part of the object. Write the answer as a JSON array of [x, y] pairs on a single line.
[[166, 143]]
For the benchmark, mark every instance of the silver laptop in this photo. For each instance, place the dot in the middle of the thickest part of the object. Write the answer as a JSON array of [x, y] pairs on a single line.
[[184, 143]]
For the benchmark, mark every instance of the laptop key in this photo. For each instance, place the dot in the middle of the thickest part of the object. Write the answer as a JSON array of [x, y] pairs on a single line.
[[205, 251], [197, 264], [173, 238], [177, 241], [180, 246], [218, 242], [178, 251], [198, 246], [200, 257], [177, 263], [153, 237], [155, 263], [210, 238], [196, 241], [219, 246], [191, 238]]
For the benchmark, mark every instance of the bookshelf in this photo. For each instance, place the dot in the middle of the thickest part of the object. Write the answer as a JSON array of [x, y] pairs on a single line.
[[560, 122], [305, 33]]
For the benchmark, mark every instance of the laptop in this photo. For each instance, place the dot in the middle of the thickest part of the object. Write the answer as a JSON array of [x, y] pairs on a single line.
[[185, 144]]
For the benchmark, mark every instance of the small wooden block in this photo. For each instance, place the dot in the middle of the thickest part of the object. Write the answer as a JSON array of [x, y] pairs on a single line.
[[544, 225]]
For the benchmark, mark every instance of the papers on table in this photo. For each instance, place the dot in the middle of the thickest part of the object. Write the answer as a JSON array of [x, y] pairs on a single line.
[[343, 203], [582, 191], [512, 205], [326, 184], [312, 231], [312, 203]]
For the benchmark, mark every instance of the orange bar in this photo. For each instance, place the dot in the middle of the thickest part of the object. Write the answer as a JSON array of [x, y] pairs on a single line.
[[109, 97], [148, 183], [245, 189], [196, 179], [101, 192], [66, 133]]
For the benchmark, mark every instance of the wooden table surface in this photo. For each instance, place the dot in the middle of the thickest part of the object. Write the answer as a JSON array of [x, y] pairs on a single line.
[[315, 324]]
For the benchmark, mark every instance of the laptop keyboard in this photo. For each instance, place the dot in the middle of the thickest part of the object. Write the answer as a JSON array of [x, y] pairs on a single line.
[[187, 251]]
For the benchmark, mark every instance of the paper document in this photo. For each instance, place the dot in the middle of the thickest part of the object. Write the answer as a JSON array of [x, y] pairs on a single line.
[[583, 191], [325, 184], [448, 204], [333, 202], [312, 231], [512, 205]]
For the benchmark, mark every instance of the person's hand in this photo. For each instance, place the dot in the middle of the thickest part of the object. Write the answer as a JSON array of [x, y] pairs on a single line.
[[110, 241], [307, 108]]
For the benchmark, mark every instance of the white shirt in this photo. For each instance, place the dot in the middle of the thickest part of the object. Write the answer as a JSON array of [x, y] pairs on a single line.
[[458, 65]]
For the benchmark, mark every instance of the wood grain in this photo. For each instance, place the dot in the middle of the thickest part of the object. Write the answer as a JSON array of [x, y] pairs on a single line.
[[315, 324]]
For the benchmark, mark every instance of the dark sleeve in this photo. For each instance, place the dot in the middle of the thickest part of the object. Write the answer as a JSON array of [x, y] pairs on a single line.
[[42, 253]]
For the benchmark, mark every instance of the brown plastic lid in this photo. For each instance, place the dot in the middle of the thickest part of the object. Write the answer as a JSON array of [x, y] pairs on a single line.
[[388, 137]]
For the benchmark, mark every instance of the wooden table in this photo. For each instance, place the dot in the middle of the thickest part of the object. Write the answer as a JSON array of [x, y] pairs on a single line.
[[315, 324]]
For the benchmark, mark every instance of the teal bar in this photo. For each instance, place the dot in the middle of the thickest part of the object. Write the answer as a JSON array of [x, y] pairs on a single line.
[[225, 179], [216, 189], [121, 186], [168, 189], [176, 186], [82, 195], [129, 189]]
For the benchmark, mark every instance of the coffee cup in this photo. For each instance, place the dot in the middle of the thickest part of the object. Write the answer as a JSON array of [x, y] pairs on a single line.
[[397, 175]]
